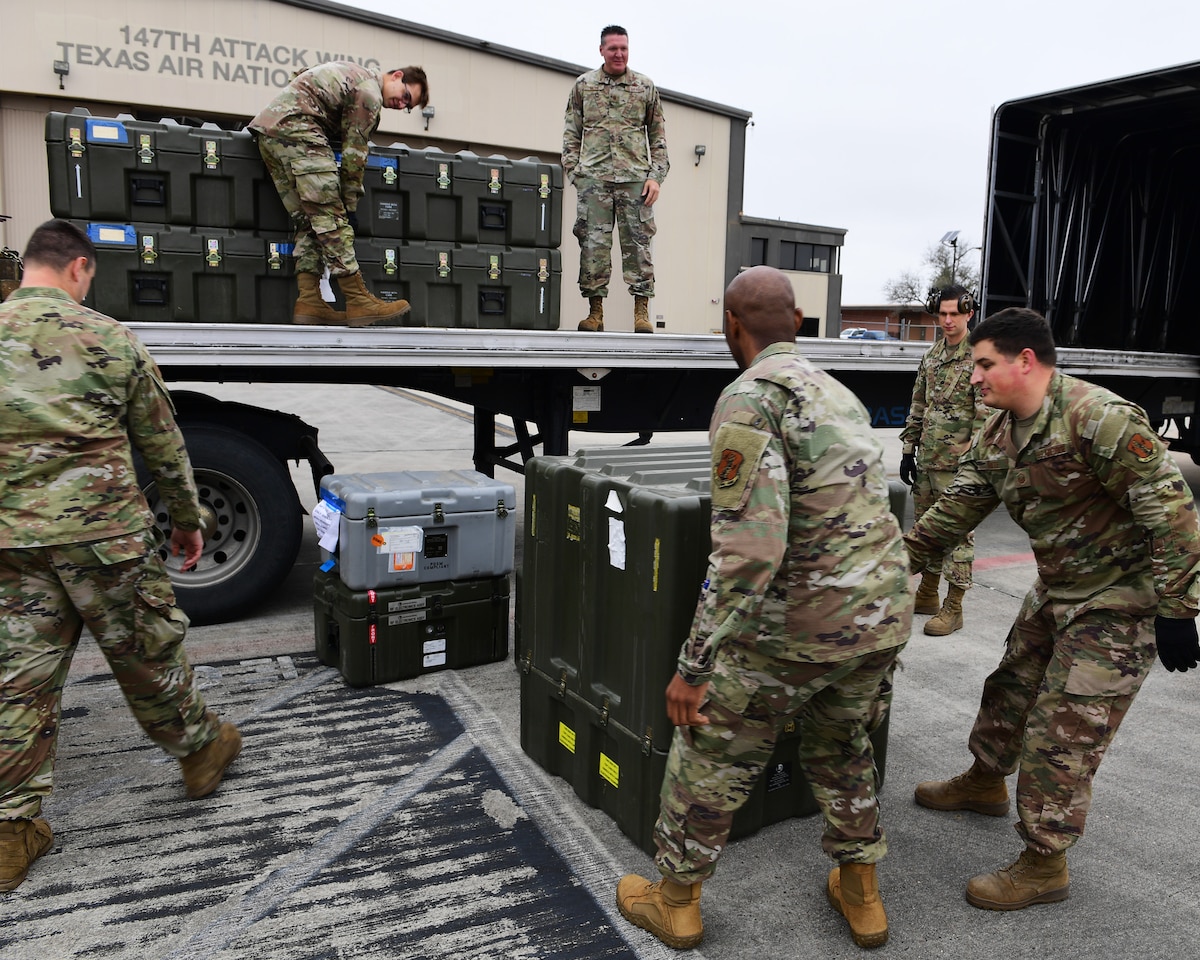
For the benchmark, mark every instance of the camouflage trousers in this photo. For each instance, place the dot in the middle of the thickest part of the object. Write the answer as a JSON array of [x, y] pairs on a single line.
[[1052, 707], [120, 590], [602, 208], [307, 179], [712, 769], [956, 565]]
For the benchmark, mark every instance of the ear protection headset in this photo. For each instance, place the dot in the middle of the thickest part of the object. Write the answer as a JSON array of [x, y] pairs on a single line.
[[966, 303]]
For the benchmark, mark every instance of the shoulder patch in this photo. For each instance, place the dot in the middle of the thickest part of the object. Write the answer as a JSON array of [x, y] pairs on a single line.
[[737, 450], [1142, 447]]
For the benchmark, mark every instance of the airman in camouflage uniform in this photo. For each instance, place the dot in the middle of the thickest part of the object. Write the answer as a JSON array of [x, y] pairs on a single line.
[[331, 105], [1114, 532], [615, 152], [77, 542], [946, 411], [803, 614]]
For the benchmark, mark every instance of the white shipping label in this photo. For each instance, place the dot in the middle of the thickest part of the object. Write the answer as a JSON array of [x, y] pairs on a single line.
[[325, 522], [434, 646], [585, 398], [433, 660], [616, 542], [400, 539]]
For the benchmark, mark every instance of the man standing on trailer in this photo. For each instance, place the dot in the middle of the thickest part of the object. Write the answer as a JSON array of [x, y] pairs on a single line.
[[615, 152]]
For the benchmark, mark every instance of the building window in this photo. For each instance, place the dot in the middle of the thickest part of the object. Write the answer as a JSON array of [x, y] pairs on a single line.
[[758, 251], [810, 257]]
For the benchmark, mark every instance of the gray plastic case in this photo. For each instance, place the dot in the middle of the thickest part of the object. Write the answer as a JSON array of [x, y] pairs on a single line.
[[467, 526]]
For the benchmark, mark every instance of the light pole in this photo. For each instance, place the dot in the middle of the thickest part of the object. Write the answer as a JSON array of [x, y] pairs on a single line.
[[951, 238]]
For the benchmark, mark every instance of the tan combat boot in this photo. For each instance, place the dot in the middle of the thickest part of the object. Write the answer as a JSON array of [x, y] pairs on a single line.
[[978, 790], [595, 319], [203, 770], [641, 315], [854, 893], [363, 309], [926, 600], [950, 617], [1034, 878], [311, 307], [21, 842], [669, 910]]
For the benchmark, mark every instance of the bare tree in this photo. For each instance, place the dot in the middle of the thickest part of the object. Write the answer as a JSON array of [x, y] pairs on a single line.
[[942, 265]]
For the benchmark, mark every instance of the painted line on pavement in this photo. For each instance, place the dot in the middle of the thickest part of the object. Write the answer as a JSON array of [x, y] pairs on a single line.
[[1005, 560], [266, 897]]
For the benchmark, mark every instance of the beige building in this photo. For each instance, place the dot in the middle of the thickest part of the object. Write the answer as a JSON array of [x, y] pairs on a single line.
[[222, 60]]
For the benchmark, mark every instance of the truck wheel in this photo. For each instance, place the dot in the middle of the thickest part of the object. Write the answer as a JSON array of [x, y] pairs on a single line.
[[251, 521]]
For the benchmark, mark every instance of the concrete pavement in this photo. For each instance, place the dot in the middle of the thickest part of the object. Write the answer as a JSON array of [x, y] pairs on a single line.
[[1133, 875]]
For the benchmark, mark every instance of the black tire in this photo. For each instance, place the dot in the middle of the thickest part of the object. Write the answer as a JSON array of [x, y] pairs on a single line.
[[252, 525]]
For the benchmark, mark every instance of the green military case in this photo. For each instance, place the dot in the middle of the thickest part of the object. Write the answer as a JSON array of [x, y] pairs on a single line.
[[426, 194], [128, 170], [549, 726], [464, 285], [162, 272], [616, 547], [379, 636]]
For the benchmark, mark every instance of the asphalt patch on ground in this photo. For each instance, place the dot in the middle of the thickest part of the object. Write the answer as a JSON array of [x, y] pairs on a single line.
[[356, 823]]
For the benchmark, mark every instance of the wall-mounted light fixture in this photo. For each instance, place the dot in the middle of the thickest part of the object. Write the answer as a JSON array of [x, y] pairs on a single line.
[[701, 149], [62, 68], [427, 112]]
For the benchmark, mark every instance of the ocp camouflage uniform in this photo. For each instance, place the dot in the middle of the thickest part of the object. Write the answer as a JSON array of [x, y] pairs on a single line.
[[614, 140], [331, 104], [805, 610], [78, 545], [1114, 532], [946, 411]]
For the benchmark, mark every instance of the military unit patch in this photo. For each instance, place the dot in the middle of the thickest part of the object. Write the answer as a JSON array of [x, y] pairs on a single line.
[[1142, 447], [728, 468]]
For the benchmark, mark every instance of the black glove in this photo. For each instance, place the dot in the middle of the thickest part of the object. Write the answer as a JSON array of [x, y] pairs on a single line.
[[352, 216], [1178, 645], [908, 468]]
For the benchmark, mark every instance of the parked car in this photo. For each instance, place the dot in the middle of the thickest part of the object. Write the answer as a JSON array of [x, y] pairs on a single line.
[[862, 333]]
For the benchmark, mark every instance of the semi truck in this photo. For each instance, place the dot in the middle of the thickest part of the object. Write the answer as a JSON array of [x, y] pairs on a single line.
[[1089, 219]]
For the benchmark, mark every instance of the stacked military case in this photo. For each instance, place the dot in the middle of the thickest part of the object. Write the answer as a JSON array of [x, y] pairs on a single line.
[[615, 550], [189, 227], [469, 241], [418, 580]]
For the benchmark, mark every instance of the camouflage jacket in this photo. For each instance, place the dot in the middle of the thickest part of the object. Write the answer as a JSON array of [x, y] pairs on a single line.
[[76, 389], [1111, 521], [807, 562], [614, 129], [946, 409], [331, 103]]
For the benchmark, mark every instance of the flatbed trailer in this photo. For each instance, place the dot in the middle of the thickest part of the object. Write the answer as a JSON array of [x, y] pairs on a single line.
[[547, 382]]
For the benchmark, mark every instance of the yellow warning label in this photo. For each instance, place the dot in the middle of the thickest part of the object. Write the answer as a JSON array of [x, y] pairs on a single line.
[[609, 770], [566, 736], [657, 557], [574, 522]]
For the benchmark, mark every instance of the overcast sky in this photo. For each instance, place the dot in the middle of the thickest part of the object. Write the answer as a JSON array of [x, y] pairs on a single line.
[[870, 116]]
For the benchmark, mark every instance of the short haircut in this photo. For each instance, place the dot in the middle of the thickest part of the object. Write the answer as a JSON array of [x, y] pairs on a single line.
[[1017, 329], [611, 29], [416, 75], [56, 243]]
